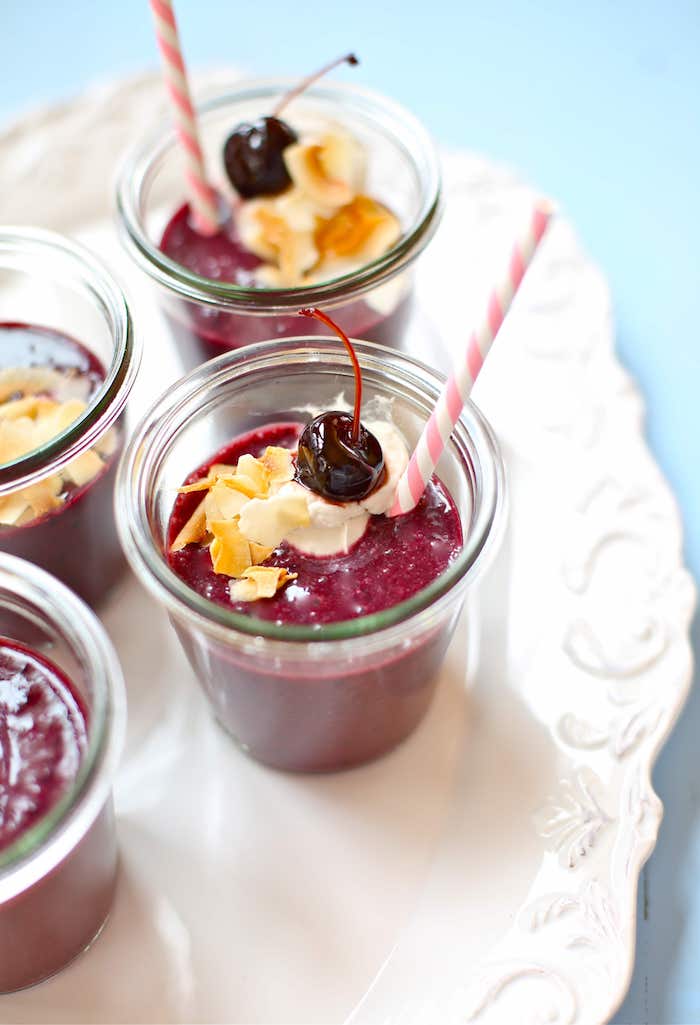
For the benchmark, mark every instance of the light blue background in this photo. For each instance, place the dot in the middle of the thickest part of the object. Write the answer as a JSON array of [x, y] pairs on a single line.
[[599, 104]]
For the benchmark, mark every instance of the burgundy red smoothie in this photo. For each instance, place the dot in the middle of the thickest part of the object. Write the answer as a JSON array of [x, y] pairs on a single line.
[[287, 524], [43, 737], [44, 726]]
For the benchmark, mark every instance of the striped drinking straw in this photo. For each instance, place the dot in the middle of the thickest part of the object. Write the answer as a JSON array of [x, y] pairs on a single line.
[[202, 198], [454, 395]]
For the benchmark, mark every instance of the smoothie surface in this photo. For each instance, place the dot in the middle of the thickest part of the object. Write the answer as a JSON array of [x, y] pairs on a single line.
[[392, 561], [43, 738]]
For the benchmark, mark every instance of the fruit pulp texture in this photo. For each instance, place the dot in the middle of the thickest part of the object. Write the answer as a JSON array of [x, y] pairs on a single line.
[[394, 559], [203, 332], [43, 738], [76, 542], [320, 715]]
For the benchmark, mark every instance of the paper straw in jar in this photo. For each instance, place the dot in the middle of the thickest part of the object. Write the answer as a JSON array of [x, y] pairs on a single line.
[[455, 393], [202, 198]]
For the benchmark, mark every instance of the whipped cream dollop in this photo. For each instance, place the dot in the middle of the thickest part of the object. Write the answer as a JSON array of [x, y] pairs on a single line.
[[330, 527], [335, 526]]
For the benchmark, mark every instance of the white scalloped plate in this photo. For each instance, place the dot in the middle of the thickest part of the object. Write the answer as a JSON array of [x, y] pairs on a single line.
[[487, 870]]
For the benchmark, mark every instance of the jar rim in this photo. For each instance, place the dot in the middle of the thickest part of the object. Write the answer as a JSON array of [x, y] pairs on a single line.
[[136, 169], [36, 851], [171, 410], [108, 401]]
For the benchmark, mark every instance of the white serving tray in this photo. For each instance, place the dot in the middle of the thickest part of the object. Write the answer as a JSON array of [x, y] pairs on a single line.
[[487, 870]]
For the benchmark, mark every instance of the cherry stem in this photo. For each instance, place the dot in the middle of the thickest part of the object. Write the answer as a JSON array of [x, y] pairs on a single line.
[[348, 58], [312, 311]]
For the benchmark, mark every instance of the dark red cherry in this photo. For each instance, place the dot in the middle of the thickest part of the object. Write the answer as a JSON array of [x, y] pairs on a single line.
[[254, 152], [254, 157], [338, 457], [335, 465]]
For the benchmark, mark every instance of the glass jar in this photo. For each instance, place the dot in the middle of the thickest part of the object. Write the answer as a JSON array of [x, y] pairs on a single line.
[[307, 698], [57, 878], [211, 316], [48, 282]]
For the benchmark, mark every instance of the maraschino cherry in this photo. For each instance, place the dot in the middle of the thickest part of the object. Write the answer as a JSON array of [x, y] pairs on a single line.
[[253, 152], [337, 457]]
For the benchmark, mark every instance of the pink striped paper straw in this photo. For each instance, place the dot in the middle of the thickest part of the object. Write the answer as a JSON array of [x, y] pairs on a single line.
[[454, 395], [202, 197]]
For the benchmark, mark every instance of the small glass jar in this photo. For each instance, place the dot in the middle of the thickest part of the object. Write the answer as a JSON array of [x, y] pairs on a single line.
[[57, 878], [211, 316], [307, 698], [48, 282]]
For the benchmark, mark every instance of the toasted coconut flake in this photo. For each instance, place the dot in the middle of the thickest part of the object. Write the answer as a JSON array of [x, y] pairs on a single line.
[[44, 496], [243, 590], [107, 444], [245, 482], [66, 413], [259, 582], [223, 503], [16, 381], [261, 231], [258, 553], [84, 468], [345, 158], [230, 552], [271, 231], [330, 170], [240, 538], [268, 579], [279, 464], [266, 224], [32, 420], [268, 521], [31, 502], [17, 437], [203, 484], [193, 531], [55, 421], [13, 508], [30, 406], [241, 482], [267, 276], [255, 469], [277, 234], [362, 230]]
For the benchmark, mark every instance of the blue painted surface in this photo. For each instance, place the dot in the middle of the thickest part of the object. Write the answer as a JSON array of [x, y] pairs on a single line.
[[596, 102]]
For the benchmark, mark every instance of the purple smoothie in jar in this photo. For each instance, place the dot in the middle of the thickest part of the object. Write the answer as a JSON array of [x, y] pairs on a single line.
[[203, 332], [207, 285], [323, 720], [76, 540], [299, 695], [44, 726]]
